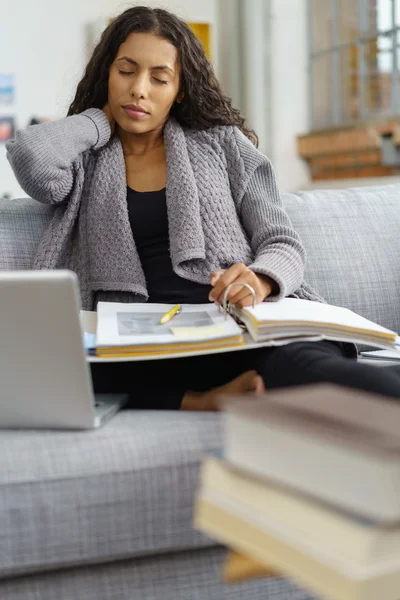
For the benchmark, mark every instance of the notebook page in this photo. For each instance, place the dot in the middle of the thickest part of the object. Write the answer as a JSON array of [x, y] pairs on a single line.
[[138, 324], [293, 309]]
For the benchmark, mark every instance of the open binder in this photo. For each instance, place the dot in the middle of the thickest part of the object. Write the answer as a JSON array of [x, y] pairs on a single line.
[[132, 331]]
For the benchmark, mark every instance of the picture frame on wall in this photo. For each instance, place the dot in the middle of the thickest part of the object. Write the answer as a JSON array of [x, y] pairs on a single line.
[[203, 32], [7, 88], [7, 128]]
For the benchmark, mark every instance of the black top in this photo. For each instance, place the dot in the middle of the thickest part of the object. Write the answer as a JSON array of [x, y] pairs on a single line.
[[149, 222]]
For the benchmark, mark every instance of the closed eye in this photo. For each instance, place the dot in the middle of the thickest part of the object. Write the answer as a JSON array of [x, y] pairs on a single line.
[[132, 73]]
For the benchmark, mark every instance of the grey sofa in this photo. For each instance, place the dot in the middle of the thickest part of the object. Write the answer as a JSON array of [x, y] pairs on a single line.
[[107, 515]]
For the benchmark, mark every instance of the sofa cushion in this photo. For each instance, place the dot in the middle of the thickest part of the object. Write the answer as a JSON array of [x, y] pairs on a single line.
[[353, 250], [22, 222], [125, 490], [190, 575]]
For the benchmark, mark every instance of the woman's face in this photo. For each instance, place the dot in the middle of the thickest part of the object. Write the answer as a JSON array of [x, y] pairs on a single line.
[[144, 76]]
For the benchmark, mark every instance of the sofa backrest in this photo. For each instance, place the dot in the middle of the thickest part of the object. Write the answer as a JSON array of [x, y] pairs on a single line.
[[353, 252], [351, 236]]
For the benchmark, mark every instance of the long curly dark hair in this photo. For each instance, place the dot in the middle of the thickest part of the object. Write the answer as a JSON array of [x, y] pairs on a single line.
[[204, 104]]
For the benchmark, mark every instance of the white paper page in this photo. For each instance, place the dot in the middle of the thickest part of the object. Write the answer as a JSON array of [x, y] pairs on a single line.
[[136, 324], [88, 321], [249, 344], [293, 309], [383, 354]]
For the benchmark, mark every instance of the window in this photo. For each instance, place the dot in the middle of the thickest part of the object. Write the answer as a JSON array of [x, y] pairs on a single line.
[[354, 61]]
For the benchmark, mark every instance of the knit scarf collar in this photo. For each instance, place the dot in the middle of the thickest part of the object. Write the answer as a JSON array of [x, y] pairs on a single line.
[[117, 266]]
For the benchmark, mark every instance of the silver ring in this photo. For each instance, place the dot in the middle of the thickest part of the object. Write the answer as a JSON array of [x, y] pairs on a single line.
[[224, 302]]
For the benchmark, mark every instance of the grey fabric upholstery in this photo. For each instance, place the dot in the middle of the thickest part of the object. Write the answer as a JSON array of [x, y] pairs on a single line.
[[352, 242], [112, 509], [74, 498], [351, 237], [22, 222], [190, 575]]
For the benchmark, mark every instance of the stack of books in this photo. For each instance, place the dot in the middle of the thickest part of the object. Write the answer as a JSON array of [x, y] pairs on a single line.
[[309, 487]]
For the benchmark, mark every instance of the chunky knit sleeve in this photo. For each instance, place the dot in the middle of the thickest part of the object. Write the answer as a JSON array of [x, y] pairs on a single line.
[[278, 251], [44, 157]]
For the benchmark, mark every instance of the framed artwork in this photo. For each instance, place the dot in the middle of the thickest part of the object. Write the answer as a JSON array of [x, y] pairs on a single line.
[[7, 128], [7, 88], [203, 32]]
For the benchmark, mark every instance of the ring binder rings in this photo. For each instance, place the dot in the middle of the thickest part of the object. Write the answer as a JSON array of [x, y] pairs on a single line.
[[227, 305]]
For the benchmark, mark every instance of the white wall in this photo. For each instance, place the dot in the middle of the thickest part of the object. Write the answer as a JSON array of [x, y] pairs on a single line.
[[289, 90], [263, 68], [243, 62], [46, 49], [44, 44]]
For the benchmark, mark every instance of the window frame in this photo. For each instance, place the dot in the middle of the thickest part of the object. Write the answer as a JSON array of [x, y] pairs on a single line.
[[333, 52]]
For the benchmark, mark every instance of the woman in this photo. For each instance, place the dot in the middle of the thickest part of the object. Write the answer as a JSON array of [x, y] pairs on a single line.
[[162, 196]]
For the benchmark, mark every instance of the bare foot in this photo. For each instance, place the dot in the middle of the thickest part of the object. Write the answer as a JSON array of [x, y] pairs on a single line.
[[248, 382]]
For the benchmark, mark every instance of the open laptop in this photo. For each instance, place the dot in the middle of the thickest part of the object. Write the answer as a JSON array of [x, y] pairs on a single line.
[[45, 380]]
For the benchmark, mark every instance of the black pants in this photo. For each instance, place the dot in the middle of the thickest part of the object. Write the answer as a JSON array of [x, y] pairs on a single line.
[[161, 384]]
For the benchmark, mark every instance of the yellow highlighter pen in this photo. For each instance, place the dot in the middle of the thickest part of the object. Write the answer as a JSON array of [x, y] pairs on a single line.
[[171, 313]]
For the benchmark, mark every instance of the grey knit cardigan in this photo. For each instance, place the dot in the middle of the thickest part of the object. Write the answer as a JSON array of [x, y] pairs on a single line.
[[223, 207]]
